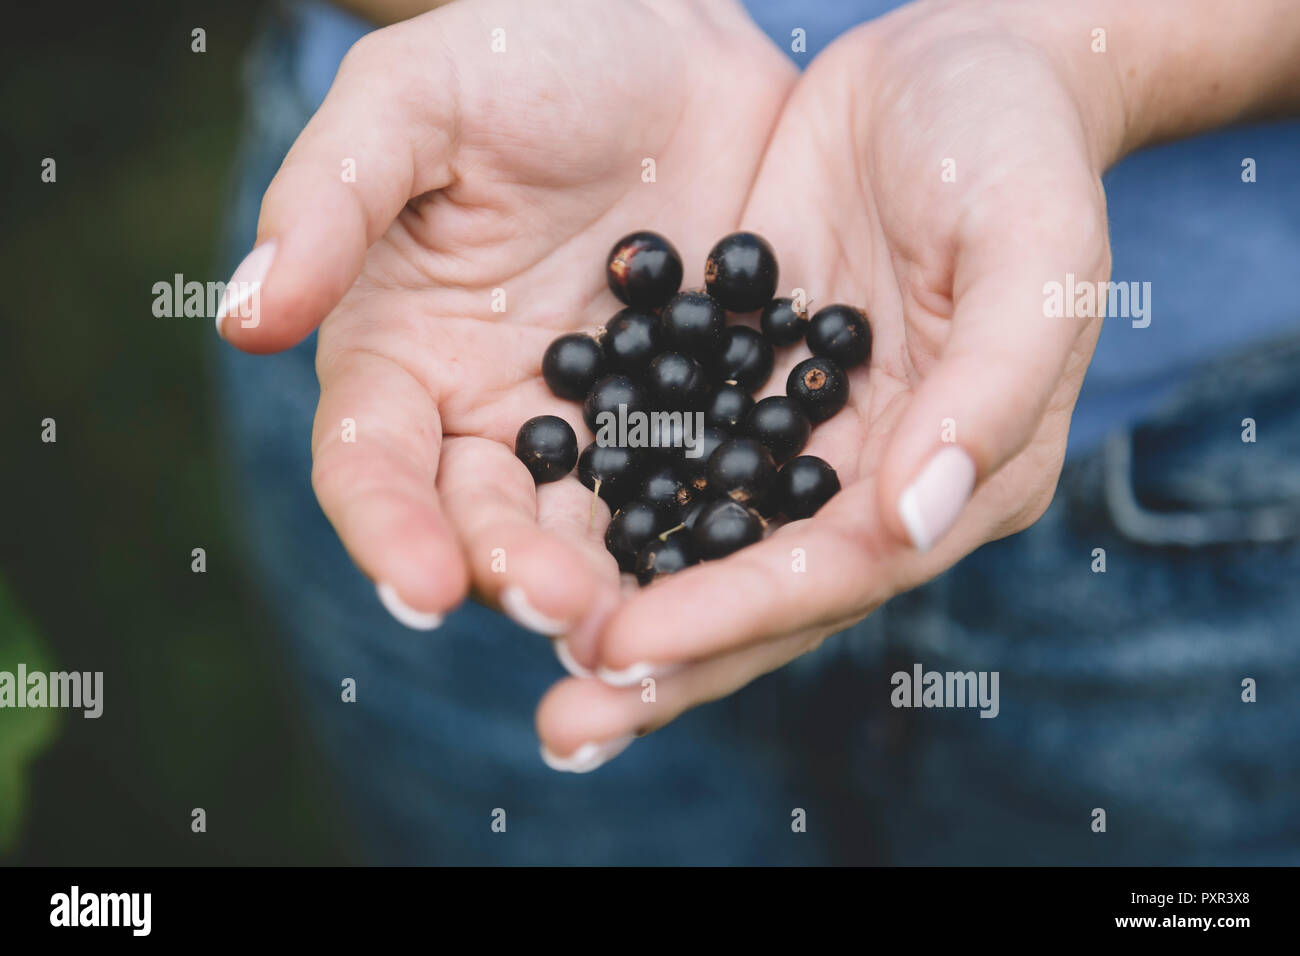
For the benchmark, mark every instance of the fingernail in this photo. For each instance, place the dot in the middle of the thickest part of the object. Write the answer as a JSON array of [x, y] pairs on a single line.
[[246, 282], [568, 660], [416, 620], [515, 603], [931, 503], [635, 674], [587, 757]]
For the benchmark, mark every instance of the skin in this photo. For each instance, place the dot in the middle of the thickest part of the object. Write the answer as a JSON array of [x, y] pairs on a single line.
[[480, 171], [385, 12]]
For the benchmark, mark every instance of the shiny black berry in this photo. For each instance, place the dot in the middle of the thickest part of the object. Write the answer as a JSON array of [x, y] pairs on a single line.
[[691, 513], [782, 323], [612, 471], [694, 324], [547, 446], [665, 554], [607, 395], [743, 470], [741, 272], [780, 424], [804, 485], [695, 470], [840, 332], [820, 386], [631, 339], [643, 270], [665, 433], [724, 527], [665, 490], [572, 364], [746, 358], [676, 382], [727, 406], [631, 529]]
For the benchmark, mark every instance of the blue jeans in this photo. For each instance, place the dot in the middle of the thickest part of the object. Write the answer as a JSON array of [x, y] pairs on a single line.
[[1119, 690]]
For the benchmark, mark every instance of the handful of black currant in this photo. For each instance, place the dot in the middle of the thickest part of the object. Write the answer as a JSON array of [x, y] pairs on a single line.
[[691, 465]]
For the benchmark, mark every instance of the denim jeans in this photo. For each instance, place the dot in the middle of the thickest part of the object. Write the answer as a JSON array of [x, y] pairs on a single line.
[[1120, 690]]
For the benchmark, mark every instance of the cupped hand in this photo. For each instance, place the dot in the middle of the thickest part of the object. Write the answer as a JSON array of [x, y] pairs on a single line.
[[939, 168], [447, 213]]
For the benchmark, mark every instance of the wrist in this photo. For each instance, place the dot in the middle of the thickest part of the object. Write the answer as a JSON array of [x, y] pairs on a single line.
[[1144, 73]]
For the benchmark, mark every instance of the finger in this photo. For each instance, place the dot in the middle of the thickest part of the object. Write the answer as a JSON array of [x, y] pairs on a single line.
[[375, 449], [1003, 362], [584, 723], [530, 549], [371, 147]]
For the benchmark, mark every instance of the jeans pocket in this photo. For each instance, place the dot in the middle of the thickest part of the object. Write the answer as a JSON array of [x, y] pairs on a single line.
[[1219, 464]]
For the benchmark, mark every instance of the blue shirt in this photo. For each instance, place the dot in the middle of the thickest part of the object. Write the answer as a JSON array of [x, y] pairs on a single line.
[[1222, 256]]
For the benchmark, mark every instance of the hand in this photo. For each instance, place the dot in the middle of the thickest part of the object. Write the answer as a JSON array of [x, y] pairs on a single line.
[[478, 171], [956, 433]]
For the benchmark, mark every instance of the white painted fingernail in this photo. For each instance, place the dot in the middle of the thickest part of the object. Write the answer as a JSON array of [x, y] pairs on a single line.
[[416, 620], [245, 285], [629, 676], [931, 503], [568, 660], [515, 603], [587, 757]]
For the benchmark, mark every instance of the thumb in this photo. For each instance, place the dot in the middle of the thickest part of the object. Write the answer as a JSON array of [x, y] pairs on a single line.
[[348, 175], [984, 399]]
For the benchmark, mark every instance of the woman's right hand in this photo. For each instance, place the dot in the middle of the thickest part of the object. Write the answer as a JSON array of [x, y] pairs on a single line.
[[488, 155]]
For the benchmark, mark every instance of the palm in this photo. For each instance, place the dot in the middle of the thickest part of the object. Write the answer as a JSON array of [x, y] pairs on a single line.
[[879, 225], [441, 337]]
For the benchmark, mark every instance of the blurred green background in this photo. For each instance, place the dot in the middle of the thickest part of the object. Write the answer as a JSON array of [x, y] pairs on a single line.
[[98, 527]]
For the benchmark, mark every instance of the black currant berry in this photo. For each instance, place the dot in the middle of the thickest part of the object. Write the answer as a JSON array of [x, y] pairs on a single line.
[[665, 554], [727, 406], [743, 470], [632, 338], [782, 323], [840, 332], [643, 270], [664, 489], [820, 387], [572, 364], [676, 382], [695, 471], [741, 272], [694, 324], [724, 527], [746, 358], [768, 507], [664, 436], [691, 513], [612, 471], [607, 395], [780, 424], [547, 446], [804, 485], [631, 529]]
